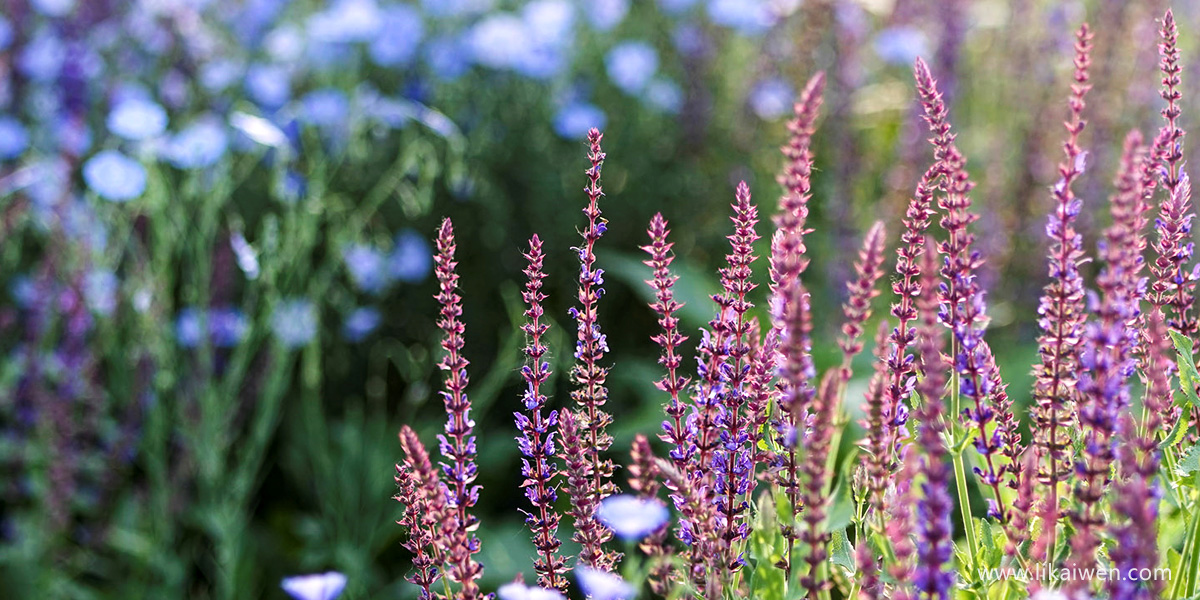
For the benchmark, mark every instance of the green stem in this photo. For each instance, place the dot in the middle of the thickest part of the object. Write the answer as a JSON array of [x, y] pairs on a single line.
[[1184, 585], [960, 473]]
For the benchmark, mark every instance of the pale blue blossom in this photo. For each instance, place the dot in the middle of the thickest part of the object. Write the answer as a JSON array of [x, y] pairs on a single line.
[[367, 267], [520, 591], [295, 324], [324, 586], [606, 14], [114, 176], [631, 65], [346, 21], [602, 585], [137, 119], [397, 41], [575, 119], [630, 517], [200, 145], [771, 98], [900, 45], [664, 95], [750, 17], [361, 323], [268, 85], [14, 138], [411, 259]]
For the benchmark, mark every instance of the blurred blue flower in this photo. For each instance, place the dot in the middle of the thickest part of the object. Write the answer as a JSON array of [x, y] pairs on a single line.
[[100, 292], [42, 58], [664, 95], [324, 586], [606, 14], [630, 517], [749, 17], [23, 291], [218, 75], [292, 187], [285, 43], [549, 21], [631, 65], [367, 267], [189, 328], [346, 21], [259, 130], [499, 41], [601, 585], [137, 119], [294, 323], [6, 33], [114, 176], [674, 7], [771, 98], [447, 58], [412, 258], [520, 591], [327, 108], [398, 39], [575, 119], [53, 8], [227, 327], [360, 323], [455, 8], [269, 86], [900, 45], [14, 138], [247, 256], [73, 136], [199, 145]]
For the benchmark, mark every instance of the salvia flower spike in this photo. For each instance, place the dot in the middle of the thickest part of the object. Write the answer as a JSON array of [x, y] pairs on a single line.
[[963, 307], [457, 444], [1061, 310], [536, 442], [588, 374]]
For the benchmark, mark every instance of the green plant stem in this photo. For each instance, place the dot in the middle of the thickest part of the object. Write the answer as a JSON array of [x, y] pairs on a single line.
[[960, 475]]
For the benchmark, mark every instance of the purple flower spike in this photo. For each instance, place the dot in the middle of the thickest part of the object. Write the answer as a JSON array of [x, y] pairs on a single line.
[[630, 517], [1061, 311], [537, 432], [324, 586]]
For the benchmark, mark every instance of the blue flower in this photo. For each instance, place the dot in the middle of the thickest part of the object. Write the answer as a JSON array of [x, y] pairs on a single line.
[[606, 14], [324, 586], [100, 291], [361, 323], [326, 108], [189, 328], [285, 43], [346, 21], [675, 7], [771, 98], [664, 95], [412, 258], [247, 256], [397, 40], [550, 21], [900, 45], [137, 119], [631, 65], [447, 58], [294, 323], [6, 33], [749, 17], [200, 145], [53, 8], [227, 327], [499, 41], [42, 58], [520, 591], [367, 267], [455, 8], [114, 176], [268, 85], [574, 120], [218, 75], [630, 517], [601, 585], [14, 138]]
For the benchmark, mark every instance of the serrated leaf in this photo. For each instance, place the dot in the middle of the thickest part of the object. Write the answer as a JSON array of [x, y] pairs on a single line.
[[1188, 377], [841, 552], [842, 508], [1190, 462], [1177, 433]]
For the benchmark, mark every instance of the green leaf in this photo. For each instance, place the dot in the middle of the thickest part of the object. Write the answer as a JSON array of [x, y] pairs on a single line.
[[1188, 377], [1190, 462], [766, 581], [841, 552]]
